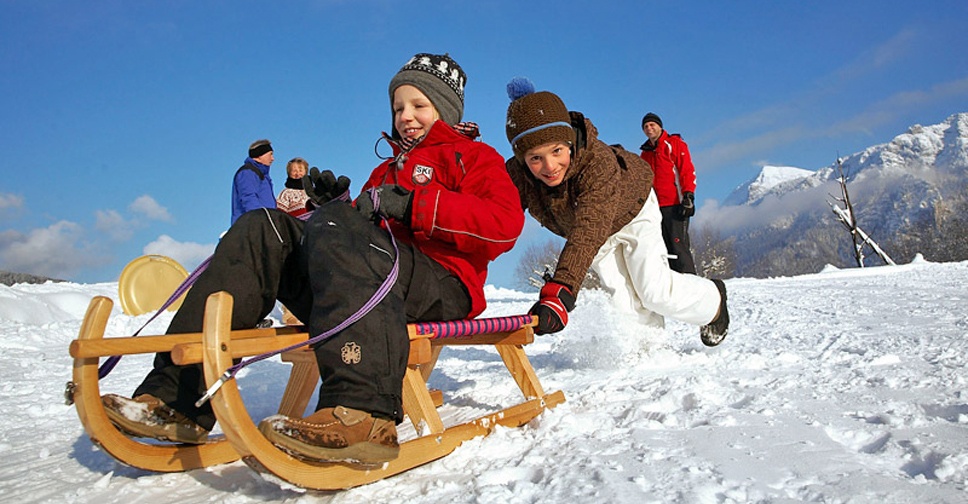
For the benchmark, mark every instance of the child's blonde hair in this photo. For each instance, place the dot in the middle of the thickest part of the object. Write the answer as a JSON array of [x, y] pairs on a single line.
[[297, 161]]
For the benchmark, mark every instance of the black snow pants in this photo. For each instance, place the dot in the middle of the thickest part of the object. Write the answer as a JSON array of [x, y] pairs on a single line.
[[324, 270], [675, 233]]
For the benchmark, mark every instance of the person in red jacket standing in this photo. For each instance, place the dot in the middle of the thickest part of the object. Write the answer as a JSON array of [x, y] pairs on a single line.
[[675, 186]]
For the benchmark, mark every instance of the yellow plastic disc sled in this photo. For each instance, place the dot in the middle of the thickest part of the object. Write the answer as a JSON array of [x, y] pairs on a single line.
[[147, 282]]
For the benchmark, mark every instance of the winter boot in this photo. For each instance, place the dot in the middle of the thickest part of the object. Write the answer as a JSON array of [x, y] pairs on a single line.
[[714, 333], [337, 434], [147, 416]]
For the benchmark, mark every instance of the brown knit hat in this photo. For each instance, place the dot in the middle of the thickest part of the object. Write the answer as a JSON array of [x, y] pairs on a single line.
[[535, 118]]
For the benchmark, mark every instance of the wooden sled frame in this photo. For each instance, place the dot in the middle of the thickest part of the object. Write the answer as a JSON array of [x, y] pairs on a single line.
[[218, 345]]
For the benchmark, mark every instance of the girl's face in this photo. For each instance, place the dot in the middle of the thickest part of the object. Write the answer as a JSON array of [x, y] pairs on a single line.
[[297, 171], [413, 113], [549, 162]]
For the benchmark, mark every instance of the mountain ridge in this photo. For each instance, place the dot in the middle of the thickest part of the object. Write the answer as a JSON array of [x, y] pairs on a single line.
[[907, 194]]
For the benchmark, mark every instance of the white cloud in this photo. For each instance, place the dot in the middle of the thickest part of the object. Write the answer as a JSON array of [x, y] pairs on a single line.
[[57, 251], [147, 206], [729, 220], [188, 254], [8, 200], [111, 223]]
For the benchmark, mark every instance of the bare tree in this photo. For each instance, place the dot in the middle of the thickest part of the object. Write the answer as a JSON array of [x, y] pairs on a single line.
[[846, 217], [538, 263]]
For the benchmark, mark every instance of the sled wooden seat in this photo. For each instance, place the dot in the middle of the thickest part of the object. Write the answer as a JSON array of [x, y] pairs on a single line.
[[242, 438], [434, 441]]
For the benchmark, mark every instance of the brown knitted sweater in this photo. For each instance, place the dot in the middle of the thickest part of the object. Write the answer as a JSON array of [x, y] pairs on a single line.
[[603, 189]]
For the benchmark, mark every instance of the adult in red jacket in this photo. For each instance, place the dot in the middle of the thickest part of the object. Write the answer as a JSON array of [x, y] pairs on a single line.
[[675, 187]]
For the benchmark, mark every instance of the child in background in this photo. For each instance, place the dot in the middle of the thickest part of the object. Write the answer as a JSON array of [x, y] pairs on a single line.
[[293, 198]]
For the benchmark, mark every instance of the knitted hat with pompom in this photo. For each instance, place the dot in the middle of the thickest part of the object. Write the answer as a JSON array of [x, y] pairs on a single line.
[[535, 118]]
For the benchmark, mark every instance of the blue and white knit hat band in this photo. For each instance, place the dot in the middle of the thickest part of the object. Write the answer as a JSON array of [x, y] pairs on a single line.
[[538, 128]]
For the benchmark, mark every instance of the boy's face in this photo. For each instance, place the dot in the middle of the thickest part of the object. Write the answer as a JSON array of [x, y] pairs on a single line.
[[413, 112], [549, 162]]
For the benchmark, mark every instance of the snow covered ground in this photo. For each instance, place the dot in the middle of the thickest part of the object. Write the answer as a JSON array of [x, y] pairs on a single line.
[[842, 386]]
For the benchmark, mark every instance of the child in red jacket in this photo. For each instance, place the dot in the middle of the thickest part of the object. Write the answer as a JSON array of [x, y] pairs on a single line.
[[451, 208]]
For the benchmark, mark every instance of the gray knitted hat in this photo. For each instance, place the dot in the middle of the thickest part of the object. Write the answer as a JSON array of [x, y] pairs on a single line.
[[440, 78]]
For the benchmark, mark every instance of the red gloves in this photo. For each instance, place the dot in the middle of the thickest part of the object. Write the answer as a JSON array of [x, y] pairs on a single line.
[[552, 308]]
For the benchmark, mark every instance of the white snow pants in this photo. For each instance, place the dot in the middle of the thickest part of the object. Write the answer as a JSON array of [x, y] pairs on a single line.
[[634, 269]]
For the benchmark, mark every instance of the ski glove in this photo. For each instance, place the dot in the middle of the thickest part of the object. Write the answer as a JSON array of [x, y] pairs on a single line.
[[688, 207], [323, 187], [552, 308], [390, 201]]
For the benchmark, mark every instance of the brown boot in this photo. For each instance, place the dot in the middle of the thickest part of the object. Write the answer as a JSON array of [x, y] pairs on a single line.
[[147, 416], [337, 434]]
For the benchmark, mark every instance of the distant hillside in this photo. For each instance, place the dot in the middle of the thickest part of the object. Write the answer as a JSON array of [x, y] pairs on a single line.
[[908, 194], [9, 278]]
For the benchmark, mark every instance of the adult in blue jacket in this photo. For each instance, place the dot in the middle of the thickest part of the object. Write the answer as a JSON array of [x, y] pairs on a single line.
[[252, 186]]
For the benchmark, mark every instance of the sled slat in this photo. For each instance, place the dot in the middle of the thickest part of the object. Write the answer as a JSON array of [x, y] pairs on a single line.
[[192, 353], [130, 345]]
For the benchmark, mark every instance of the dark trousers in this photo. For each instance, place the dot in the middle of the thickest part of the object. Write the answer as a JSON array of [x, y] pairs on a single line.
[[324, 271], [675, 233]]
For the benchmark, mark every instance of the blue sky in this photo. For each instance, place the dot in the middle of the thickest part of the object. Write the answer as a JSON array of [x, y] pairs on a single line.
[[123, 122]]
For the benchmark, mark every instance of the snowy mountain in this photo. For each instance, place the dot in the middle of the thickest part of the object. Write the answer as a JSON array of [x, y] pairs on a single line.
[[769, 177], [841, 386], [908, 195]]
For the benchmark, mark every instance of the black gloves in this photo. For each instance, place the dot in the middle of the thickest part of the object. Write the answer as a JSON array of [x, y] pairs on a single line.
[[324, 187], [552, 308], [390, 201], [688, 207]]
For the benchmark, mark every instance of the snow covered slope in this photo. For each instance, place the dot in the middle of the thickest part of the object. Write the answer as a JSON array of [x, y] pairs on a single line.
[[840, 386]]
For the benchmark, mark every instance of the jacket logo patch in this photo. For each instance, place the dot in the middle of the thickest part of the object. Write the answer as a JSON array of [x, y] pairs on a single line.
[[422, 175], [351, 353]]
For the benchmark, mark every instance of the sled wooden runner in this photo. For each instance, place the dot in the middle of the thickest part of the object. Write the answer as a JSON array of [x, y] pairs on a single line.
[[86, 351], [434, 441]]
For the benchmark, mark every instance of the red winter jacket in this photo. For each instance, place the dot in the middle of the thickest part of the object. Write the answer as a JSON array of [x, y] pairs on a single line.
[[466, 210], [672, 166]]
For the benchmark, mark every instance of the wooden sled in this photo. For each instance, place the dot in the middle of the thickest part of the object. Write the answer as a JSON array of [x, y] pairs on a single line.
[[217, 345]]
